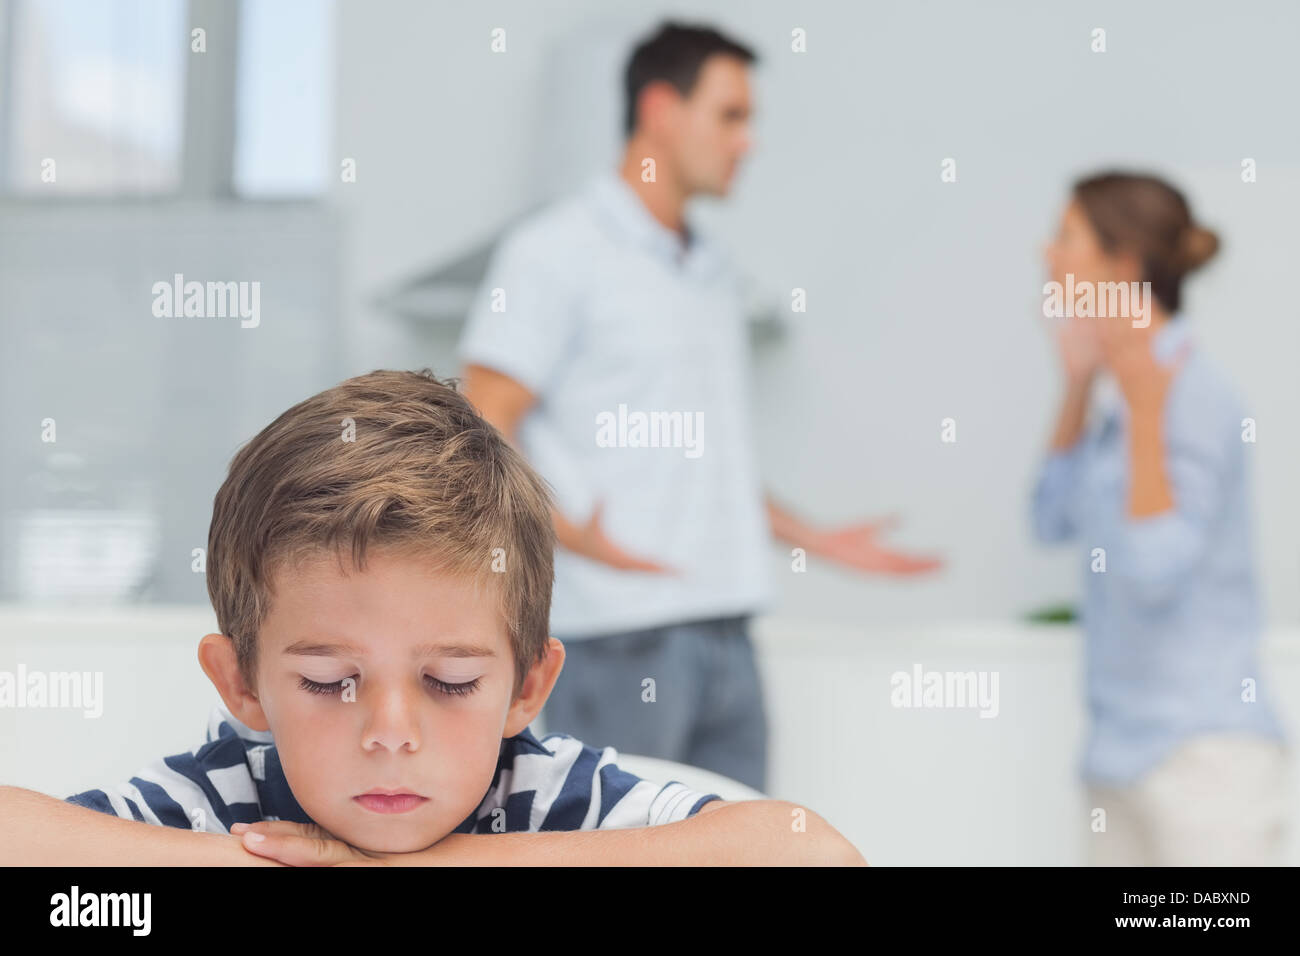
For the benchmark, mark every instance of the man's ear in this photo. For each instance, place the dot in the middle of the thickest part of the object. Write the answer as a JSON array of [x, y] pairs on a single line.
[[218, 660], [537, 687], [655, 105]]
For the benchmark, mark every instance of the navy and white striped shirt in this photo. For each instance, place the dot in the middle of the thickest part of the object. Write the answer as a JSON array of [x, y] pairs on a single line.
[[555, 783]]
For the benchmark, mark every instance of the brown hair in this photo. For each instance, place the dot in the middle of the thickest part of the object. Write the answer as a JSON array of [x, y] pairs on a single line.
[[422, 472], [1145, 215], [675, 54]]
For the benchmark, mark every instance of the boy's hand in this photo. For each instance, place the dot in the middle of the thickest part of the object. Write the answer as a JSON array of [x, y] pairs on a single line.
[[302, 844]]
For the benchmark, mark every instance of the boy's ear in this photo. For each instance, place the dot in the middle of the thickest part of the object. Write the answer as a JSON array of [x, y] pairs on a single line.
[[537, 687], [218, 660]]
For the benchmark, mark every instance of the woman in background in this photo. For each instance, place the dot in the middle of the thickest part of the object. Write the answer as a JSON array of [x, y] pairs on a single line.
[[1185, 754]]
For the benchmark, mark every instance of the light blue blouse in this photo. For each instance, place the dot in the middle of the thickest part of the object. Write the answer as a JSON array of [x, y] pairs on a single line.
[[1173, 622]]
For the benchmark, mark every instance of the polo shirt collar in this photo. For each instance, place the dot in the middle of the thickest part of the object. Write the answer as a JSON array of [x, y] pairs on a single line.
[[263, 762], [623, 209]]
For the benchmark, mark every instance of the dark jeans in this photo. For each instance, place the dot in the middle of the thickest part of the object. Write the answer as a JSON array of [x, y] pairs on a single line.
[[707, 707]]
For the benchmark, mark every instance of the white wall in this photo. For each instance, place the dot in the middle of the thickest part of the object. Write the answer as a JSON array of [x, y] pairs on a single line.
[[922, 296]]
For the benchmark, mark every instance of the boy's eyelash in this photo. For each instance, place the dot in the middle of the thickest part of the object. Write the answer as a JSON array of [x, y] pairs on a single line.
[[457, 690], [315, 687]]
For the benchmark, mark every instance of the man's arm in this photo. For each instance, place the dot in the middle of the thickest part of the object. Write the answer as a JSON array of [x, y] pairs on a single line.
[[40, 830], [498, 397], [503, 401]]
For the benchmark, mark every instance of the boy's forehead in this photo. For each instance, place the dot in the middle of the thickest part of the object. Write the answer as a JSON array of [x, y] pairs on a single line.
[[399, 596], [310, 647]]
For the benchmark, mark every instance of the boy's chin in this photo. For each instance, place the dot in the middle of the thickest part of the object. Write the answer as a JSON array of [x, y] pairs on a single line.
[[389, 838]]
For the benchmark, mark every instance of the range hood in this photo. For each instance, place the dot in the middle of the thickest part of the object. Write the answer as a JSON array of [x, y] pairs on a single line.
[[442, 294], [577, 129]]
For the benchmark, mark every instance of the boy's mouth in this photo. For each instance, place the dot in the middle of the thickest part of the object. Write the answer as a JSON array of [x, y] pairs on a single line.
[[382, 800]]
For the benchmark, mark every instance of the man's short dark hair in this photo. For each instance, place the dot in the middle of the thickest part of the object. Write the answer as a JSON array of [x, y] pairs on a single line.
[[674, 54]]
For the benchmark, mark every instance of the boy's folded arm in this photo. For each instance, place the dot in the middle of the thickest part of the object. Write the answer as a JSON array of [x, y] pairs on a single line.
[[40, 830], [750, 832]]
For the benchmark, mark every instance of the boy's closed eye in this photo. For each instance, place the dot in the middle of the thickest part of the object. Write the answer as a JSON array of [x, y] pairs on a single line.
[[441, 686]]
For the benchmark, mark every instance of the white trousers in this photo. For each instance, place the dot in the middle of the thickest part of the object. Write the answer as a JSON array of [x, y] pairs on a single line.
[[1218, 800]]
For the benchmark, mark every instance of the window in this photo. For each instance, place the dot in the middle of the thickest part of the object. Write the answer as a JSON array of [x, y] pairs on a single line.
[[284, 95], [95, 96], [109, 98]]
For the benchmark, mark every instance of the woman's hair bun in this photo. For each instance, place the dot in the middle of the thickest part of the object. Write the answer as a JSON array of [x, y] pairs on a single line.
[[1197, 246]]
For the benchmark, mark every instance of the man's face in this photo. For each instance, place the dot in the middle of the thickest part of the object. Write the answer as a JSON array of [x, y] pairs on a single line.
[[709, 130], [433, 673]]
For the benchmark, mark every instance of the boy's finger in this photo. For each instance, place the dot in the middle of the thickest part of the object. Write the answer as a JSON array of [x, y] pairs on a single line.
[[295, 850], [272, 826]]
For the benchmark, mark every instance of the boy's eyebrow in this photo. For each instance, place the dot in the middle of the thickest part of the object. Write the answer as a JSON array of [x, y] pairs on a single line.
[[317, 649]]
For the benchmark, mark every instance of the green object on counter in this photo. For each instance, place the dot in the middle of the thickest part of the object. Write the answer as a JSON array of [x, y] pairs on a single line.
[[1053, 614]]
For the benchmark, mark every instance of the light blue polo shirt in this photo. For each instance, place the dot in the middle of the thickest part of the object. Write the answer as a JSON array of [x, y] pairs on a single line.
[[636, 346], [1174, 620]]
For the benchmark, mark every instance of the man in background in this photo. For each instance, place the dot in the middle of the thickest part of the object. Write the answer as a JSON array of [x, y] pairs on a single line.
[[609, 343]]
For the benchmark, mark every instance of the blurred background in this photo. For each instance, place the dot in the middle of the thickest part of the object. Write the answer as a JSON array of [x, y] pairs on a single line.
[[360, 160]]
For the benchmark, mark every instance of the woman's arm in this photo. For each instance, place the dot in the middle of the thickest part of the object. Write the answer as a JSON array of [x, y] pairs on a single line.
[[1056, 481], [1072, 415], [1182, 447], [1150, 492], [1079, 352]]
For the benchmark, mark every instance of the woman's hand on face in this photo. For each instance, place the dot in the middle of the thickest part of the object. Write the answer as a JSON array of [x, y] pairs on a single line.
[[1127, 352], [1080, 350]]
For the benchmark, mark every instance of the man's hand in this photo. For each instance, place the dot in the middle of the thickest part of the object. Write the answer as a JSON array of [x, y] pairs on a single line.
[[855, 546], [504, 402], [590, 541], [302, 844]]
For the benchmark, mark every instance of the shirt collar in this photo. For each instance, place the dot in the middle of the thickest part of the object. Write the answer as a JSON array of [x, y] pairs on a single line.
[[625, 211], [1170, 339], [273, 790], [221, 715], [523, 742], [263, 762]]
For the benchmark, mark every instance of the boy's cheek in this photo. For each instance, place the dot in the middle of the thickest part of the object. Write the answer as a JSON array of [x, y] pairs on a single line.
[[455, 772], [321, 782]]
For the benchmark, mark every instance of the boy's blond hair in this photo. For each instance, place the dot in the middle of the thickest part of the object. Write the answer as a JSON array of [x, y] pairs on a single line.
[[394, 459]]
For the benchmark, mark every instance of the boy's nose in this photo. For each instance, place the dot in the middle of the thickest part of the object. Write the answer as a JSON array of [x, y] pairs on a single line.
[[392, 724]]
